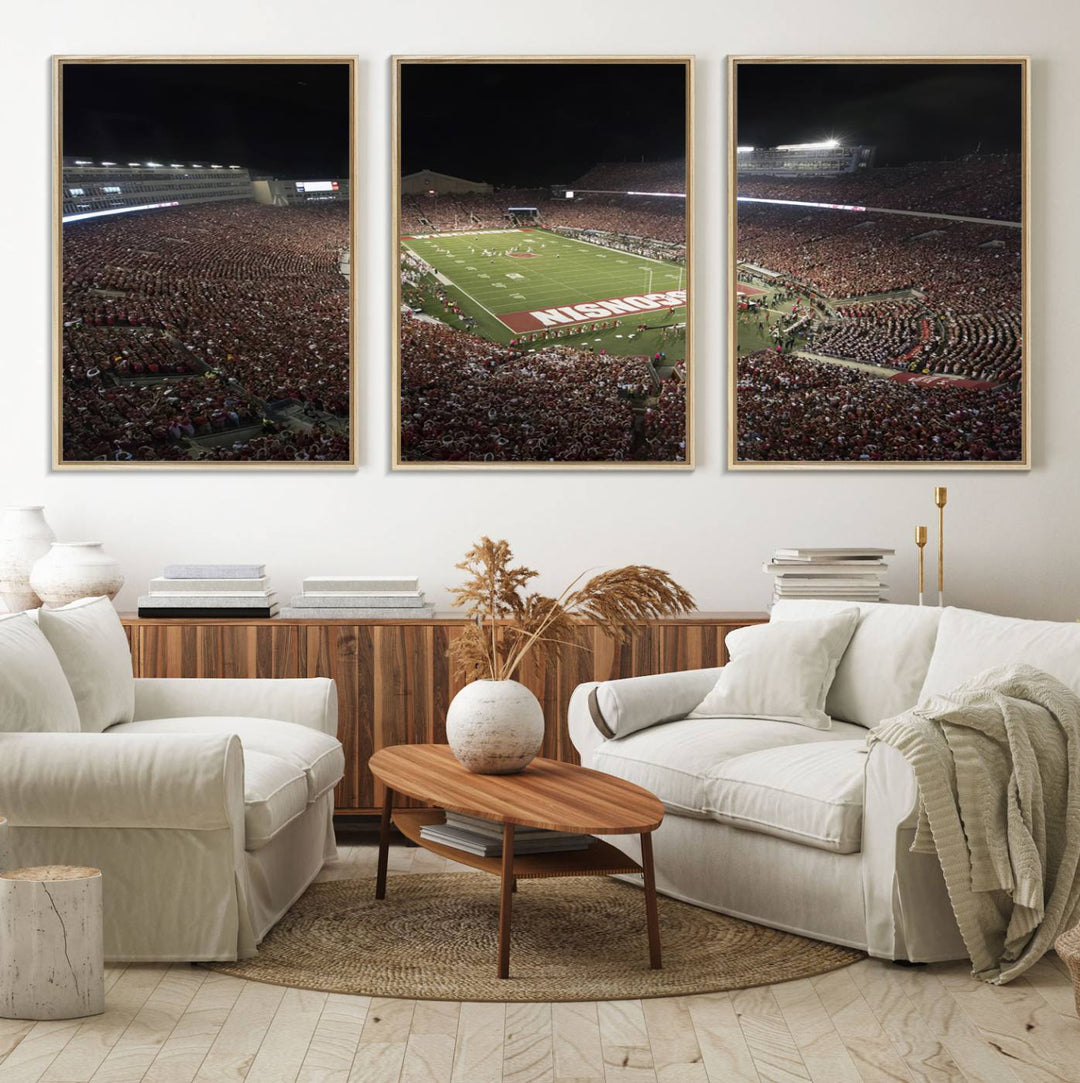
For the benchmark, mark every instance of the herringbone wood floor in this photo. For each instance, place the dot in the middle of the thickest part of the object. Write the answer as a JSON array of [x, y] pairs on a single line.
[[871, 1021]]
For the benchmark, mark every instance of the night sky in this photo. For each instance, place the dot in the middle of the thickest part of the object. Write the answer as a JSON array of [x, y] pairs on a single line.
[[533, 125], [289, 121], [910, 112]]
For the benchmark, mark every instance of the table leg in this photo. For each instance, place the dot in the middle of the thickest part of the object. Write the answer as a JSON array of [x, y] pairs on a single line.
[[384, 843], [505, 903], [651, 915]]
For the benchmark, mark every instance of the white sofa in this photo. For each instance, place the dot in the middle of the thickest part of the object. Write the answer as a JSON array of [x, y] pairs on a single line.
[[798, 828], [207, 804]]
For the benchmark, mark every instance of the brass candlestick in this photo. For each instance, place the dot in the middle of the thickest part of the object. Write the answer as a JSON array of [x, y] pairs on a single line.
[[941, 494], [920, 541]]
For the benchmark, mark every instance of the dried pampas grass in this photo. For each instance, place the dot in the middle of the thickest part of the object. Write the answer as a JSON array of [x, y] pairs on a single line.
[[508, 623]]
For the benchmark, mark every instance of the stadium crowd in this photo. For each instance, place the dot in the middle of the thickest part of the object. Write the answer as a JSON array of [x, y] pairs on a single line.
[[978, 186], [465, 399], [637, 216], [882, 333], [248, 292], [665, 423], [844, 255], [800, 410], [669, 176], [148, 421], [907, 335]]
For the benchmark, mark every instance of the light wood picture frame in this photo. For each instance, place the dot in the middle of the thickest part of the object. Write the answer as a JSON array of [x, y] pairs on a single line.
[[879, 263], [539, 323], [204, 242]]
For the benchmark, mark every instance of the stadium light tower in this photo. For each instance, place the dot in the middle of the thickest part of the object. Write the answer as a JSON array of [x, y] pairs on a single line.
[[83, 161], [153, 165], [108, 163], [177, 165], [134, 165], [744, 150]]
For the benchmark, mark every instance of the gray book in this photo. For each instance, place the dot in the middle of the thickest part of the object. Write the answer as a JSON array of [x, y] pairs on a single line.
[[215, 571], [461, 839], [354, 583], [310, 612], [227, 586], [218, 601], [404, 600]]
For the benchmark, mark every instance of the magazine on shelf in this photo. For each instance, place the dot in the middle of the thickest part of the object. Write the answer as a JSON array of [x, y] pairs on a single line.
[[205, 586], [482, 845], [354, 583]]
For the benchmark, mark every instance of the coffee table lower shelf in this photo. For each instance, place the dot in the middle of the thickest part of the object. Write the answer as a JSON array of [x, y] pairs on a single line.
[[600, 859]]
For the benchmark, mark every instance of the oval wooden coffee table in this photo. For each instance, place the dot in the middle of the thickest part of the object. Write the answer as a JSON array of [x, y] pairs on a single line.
[[547, 794]]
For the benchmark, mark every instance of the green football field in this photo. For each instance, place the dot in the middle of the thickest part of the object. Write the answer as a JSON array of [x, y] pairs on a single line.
[[510, 281]]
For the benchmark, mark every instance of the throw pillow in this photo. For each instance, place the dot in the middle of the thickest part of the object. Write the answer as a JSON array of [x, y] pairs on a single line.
[[781, 671], [90, 642], [34, 694]]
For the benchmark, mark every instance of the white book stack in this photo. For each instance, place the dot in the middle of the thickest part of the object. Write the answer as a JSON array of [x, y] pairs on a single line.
[[484, 837], [210, 590], [360, 597], [849, 575]]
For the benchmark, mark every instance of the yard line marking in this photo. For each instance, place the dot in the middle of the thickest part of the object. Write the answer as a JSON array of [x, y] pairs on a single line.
[[465, 292]]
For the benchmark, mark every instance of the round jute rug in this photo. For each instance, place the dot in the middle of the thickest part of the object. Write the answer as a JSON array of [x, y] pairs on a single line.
[[434, 938]]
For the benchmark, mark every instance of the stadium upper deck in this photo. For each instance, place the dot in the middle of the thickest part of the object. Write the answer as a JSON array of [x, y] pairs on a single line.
[[826, 159], [94, 187]]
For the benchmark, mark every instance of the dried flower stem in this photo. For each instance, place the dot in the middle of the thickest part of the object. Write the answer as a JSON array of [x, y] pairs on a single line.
[[519, 622]]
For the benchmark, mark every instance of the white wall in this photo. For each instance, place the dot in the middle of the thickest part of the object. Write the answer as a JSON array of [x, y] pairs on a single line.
[[1013, 538]]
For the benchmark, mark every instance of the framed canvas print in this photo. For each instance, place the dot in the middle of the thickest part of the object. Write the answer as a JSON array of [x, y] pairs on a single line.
[[542, 207], [205, 225], [878, 232]]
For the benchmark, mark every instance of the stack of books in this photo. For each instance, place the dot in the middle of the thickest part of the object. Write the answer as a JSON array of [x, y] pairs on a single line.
[[850, 575], [484, 837], [210, 590], [360, 597]]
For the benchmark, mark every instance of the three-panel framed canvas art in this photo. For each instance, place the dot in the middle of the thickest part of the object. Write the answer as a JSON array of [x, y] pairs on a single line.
[[542, 278]]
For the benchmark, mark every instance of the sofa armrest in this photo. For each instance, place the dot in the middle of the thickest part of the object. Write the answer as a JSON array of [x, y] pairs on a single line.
[[584, 735], [191, 782], [908, 913], [625, 706], [310, 701]]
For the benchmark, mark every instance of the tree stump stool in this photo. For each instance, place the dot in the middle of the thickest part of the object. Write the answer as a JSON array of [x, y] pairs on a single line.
[[52, 955]]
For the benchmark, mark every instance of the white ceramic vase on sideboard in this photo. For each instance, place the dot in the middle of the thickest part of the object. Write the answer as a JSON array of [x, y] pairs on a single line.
[[74, 570], [25, 537], [495, 727]]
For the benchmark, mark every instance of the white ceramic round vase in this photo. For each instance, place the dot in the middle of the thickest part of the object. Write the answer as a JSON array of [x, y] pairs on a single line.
[[25, 537], [74, 570], [495, 727]]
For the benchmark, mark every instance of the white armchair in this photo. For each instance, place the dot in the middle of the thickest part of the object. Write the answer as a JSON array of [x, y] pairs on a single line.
[[207, 804]]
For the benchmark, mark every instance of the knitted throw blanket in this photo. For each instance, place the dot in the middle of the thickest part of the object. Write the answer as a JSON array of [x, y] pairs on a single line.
[[998, 767]]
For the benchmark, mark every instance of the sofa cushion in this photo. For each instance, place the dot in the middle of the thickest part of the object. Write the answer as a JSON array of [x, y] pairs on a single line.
[[90, 642], [781, 671], [629, 704], [886, 661], [317, 754], [808, 793], [275, 793], [679, 761], [970, 642], [34, 694]]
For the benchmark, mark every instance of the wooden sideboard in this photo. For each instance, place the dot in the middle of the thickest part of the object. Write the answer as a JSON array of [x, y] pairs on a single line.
[[394, 681]]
